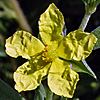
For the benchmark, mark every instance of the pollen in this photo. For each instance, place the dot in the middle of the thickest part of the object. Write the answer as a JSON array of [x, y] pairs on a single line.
[[46, 47], [49, 54], [52, 57], [44, 54]]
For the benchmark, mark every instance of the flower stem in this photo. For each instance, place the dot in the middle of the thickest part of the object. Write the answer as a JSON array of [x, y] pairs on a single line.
[[20, 16], [84, 21]]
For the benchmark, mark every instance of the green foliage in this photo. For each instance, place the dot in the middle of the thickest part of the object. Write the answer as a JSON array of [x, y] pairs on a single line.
[[2, 49], [63, 98], [7, 93], [43, 93], [91, 5], [82, 66], [96, 32], [7, 10], [40, 93], [2, 28], [89, 2]]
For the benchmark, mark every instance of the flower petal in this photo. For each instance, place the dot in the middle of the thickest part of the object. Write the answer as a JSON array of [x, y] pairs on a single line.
[[29, 76], [51, 24], [76, 45], [23, 44], [62, 79]]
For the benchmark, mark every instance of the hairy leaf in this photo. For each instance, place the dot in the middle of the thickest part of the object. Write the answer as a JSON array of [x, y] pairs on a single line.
[[42, 90], [96, 32], [40, 93], [82, 66]]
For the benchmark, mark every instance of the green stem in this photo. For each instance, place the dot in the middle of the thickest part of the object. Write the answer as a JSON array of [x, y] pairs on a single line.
[[20, 16], [85, 21]]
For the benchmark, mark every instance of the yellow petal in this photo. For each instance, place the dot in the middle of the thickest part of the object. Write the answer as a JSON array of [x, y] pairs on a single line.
[[76, 45], [30, 74], [62, 79], [23, 44], [51, 24]]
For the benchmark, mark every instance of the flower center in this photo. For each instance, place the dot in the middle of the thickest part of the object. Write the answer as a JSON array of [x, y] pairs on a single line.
[[49, 54]]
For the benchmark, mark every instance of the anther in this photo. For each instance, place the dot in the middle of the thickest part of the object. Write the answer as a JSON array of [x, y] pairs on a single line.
[[48, 55], [46, 48], [43, 54], [52, 57], [43, 58], [54, 51], [47, 58]]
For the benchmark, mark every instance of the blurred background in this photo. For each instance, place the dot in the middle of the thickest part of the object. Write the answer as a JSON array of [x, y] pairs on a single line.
[[73, 10]]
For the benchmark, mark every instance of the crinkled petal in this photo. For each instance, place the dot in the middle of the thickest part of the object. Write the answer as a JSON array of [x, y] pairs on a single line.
[[62, 79], [23, 44], [51, 24], [30, 74], [76, 45]]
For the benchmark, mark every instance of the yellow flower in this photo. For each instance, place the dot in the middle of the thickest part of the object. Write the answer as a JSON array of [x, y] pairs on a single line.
[[51, 56]]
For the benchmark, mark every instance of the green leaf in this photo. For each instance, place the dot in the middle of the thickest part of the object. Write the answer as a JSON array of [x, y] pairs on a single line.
[[38, 96], [42, 90], [82, 66], [2, 54], [90, 6], [3, 29], [7, 9], [23, 44], [97, 2], [85, 1], [7, 93], [49, 93], [96, 32], [63, 98], [40, 93], [51, 24], [2, 49], [89, 2]]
